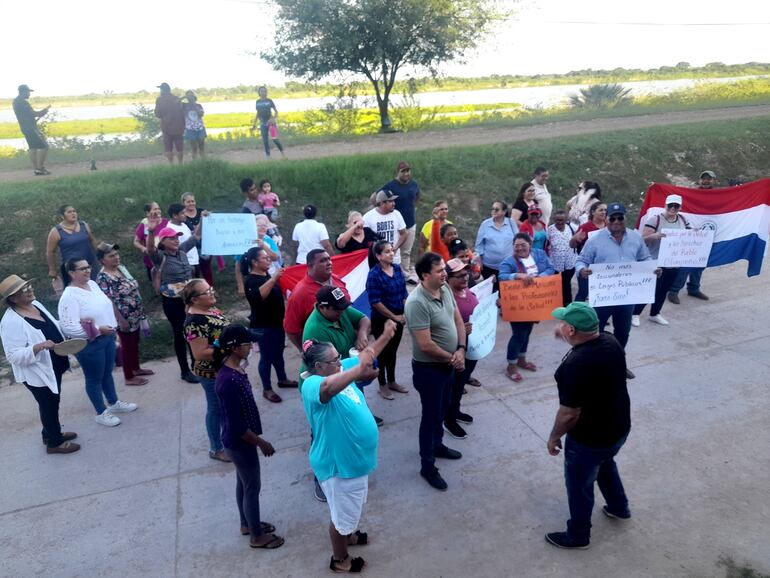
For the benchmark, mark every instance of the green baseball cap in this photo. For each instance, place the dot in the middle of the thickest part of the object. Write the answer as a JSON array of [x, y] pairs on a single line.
[[578, 314]]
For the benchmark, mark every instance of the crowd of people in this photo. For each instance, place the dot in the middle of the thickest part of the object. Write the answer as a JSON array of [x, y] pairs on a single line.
[[342, 349]]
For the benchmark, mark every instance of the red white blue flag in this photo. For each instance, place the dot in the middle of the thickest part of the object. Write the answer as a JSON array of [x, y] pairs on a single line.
[[739, 217]]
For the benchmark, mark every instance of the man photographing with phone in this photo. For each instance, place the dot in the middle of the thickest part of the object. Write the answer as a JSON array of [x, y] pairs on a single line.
[[27, 117]]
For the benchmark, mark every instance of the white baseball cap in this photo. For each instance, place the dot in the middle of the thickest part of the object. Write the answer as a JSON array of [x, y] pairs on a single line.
[[674, 199]]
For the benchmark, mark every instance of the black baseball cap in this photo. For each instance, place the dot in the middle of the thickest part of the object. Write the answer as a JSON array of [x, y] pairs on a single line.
[[330, 296], [616, 209], [234, 335]]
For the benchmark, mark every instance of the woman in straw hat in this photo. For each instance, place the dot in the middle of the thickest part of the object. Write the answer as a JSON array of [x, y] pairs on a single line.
[[29, 333]]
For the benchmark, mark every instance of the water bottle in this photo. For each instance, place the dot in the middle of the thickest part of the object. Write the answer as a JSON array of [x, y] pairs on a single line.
[[354, 353], [144, 325]]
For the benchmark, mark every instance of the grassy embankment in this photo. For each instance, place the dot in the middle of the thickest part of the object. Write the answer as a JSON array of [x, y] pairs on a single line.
[[428, 84], [624, 162], [314, 126]]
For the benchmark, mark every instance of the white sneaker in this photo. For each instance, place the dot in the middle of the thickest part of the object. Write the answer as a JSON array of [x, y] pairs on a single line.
[[106, 418], [635, 320], [659, 319], [122, 407]]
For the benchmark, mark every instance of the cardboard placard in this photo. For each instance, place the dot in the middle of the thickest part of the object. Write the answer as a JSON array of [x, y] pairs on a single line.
[[227, 233], [481, 341], [629, 283], [685, 247], [533, 302]]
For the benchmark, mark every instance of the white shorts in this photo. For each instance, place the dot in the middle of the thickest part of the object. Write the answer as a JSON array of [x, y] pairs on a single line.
[[346, 498]]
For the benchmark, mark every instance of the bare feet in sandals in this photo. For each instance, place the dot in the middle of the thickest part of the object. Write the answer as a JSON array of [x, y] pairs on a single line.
[[266, 541], [386, 393], [397, 387], [524, 364], [512, 373]]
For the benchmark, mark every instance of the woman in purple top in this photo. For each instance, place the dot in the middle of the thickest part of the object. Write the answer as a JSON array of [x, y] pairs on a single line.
[[242, 431], [74, 240], [153, 219]]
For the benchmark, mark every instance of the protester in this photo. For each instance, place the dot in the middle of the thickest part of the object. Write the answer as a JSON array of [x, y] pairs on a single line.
[[29, 333], [74, 240], [192, 218], [458, 249], [542, 196], [614, 244], [194, 129], [457, 279], [562, 255], [536, 228], [357, 236], [266, 319], [494, 240], [438, 219], [310, 234], [202, 327], [171, 273], [594, 413], [386, 222], [269, 200], [152, 216], [178, 222], [523, 203], [525, 264], [588, 193], [438, 350], [708, 180], [86, 313], [168, 108], [654, 230], [123, 290], [242, 431], [597, 219], [344, 448], [302, 300], [264, 242], [267, 115], [407, 193], [386, 289], [27, 118]]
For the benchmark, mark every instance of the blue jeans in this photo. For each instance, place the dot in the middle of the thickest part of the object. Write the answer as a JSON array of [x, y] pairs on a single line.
[[271, 344], [97, 361], [519, 341], [265, 132], [584, 465], [621, 320], [693, 286], [433, 381], [213, 415]]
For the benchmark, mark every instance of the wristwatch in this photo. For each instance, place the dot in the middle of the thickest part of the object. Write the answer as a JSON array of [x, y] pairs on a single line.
[[463, 347]]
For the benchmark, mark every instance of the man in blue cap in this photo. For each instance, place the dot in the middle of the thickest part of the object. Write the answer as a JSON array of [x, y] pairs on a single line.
[[595, 414], [614, 244]]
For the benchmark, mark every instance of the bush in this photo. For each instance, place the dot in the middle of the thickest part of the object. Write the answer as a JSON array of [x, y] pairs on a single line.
[[149, 124], [601, 96]]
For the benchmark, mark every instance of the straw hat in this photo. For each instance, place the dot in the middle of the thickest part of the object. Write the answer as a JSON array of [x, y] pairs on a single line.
[[12, 285]]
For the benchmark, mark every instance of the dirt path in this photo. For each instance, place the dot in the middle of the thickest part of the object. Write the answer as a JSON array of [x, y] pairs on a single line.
[[428, 140]]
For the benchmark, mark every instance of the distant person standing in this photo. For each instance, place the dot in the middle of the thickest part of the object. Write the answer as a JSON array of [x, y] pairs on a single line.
[[542, 196], [168, 108], [708, 180], [27, 117], [267, 115], [407, 193], [386, 222], [594, 413], [310, 234], [194, 129]]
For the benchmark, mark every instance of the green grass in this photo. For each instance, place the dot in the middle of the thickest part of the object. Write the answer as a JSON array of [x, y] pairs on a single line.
[[623, 162]]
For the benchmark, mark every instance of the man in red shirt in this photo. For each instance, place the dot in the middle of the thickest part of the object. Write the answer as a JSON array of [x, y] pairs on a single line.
[[302, 300]]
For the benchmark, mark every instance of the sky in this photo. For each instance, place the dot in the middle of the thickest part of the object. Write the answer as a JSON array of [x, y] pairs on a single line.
[[80, 46]]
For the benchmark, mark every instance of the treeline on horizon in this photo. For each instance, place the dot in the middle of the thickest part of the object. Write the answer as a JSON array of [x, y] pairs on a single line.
[[428, 84]]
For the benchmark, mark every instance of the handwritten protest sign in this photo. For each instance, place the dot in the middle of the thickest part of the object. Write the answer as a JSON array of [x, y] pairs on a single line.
[[483, 289], [228, 233], [621, 283], [685, 248], [481, 341], [534, 302]]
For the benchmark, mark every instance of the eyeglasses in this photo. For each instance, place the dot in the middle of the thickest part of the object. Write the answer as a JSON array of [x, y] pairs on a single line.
[[209, 291], [496, 209], [86, 268], [459, 275], [26, 289], [618, 218], [521, 246], [335, 361], [674, 205]]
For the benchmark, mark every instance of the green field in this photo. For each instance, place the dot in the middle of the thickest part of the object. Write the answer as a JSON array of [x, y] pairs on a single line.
[[623, 162]]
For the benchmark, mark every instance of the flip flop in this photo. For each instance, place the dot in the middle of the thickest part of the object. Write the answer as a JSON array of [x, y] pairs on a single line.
[[137, 381], [397, 387], [276, 542], [270, 395], [474, 382], [386, 394], [144, 372], [529, 366], [267, 528], [515, 376]]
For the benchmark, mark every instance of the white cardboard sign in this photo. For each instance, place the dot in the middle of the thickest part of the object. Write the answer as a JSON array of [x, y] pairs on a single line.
[[481, 341], [228, 233], [685, 247], [621, 283]]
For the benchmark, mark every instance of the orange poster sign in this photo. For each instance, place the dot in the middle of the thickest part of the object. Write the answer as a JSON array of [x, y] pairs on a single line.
[[533, 302]]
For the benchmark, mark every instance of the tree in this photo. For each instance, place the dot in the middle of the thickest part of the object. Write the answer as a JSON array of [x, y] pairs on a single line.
[[375, 38], [600, 96]]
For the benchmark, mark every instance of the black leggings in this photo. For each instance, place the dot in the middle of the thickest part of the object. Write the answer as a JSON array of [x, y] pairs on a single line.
[[174, 310], [386, 361], [48, 406], [662, 285]]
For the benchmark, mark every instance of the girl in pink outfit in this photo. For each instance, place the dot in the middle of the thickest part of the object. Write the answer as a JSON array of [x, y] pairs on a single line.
[[268, 199]]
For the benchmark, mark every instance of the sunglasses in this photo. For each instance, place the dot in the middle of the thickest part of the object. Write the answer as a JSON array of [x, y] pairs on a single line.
[[674, 205], [619, 218]]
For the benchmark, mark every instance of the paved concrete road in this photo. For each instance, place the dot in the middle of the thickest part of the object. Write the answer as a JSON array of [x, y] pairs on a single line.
[[144, 499]]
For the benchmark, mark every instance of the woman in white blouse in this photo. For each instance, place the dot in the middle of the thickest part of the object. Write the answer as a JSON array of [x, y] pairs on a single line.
[[29, 333], [86, 312]]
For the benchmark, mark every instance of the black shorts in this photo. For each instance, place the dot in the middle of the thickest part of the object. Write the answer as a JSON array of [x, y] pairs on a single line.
[[36, 140]]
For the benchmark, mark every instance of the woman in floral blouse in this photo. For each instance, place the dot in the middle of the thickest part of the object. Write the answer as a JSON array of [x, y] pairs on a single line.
[[123, 290], [202, 327], [562, 255]]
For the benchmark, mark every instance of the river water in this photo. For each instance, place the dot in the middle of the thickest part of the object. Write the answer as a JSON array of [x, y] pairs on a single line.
[[536, 96]]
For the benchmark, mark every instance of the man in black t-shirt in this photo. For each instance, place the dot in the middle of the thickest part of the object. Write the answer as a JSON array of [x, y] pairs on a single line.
[[594, 412], [27, 117]]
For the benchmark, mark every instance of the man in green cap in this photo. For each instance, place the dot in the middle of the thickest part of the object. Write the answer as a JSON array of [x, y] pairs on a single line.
[[594, 413]]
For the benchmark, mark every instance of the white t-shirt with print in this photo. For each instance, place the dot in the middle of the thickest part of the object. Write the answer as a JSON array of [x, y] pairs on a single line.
[[386, 227]]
